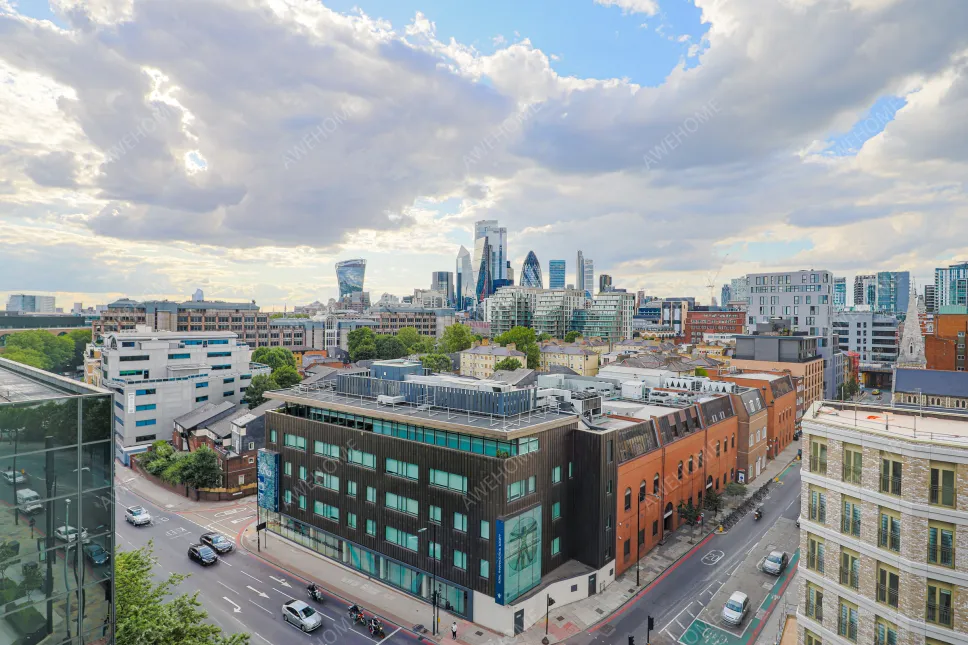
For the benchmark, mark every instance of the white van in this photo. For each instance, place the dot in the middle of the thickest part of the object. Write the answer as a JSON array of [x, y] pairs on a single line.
[[29, 501]]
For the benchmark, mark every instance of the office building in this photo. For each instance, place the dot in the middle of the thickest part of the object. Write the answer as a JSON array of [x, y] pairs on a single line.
[[511, 307], [428, 322], [555, 312], [60, 467], [580, 274], [673, 314], [951, 285], [484, 284], [581, 360], [349, 275], [893, 291], [873, 336], [865, 290], [604, 282], [556, 274], [930, 299], [797, 355], [31, 304], [840, 294], [490, 257], [588, 273], [510, 274], [429, 299], [160, 375], [465, 279], [443, 282], [805, 297], [531, 272], [712, 320], [739, 291], [883, 526]]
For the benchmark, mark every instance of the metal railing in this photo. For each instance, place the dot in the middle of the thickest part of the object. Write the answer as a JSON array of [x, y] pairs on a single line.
[[889, 539], [818, 512], [890, 485], [849, 578], [815, 610], [849, 526], [941, 555], [818, 465], [888, 595], [941, 493], [814, 562], [852, 475], [938, 614], [847, 628]]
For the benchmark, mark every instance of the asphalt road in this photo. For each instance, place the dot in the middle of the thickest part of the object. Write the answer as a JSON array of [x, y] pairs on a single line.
[[698, 576], [241, 593]]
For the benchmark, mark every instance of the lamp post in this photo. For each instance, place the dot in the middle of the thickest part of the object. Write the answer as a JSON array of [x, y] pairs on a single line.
[[551, 601], [433, 577], [638, 529]]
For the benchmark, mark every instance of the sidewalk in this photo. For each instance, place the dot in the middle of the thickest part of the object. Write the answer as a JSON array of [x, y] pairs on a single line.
[[173, 502], [786, 607]]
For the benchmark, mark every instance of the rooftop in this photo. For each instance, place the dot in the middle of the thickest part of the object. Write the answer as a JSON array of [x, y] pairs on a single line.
[[928, 427], [20, 383], [757, 376], [637, 410], [493, 350], [931, 382]]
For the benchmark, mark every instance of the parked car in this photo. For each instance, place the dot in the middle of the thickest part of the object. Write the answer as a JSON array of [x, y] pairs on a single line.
[[736, 608], [12, 476], [202, 554], [29, 502], [96, 555], [298, 613], [876, 392], [217, 541], [137, 515], [776, 562], [69, 534]]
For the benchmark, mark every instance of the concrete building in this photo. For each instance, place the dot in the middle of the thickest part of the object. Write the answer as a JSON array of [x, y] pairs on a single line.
[[158, 376], [443, 282], [583, 361], [797, 355], [556, 274], [865, 290], [555, 311], [805, 297], [712, 320], [951, 285], [479, 361], [429, 299], [930, 299], [29, 304], [428, 322], [871, 335], [884, 527], [673, 314]]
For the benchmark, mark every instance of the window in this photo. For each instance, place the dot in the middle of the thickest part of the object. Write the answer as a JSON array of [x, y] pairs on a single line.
[[460, 560], [818, 457], [690, 464], [221, 367], [302, 502], [201, 399], [145, 422], [326, 511], [885, 632], [294, 441], [850, 520], [679, 470], [448, 480], [809, 638], [655, 484], [434, 514], [717, 449], [287, 497], [521, 488], [849, 568], [132, 359], [556, 474], [460, 522], [571, 471], [941, 543], [938, 608], [371, 494], [627, 548], [815, 602], [890, 475], [818, 505], [556, 546], [351, 488], [402, 539], [403, 469], [145, 407], [144, 392], [853, 464], [655, 528], [815, 553], [732, 441], [226, 381], [201, 385], [433, 550], [326, 449], [351, 520], [302, 473], [889, 530], [847, 620], [371, 527], [888, 583], [700, 459], [175, 357], [402, 504], [943, 484], [628, 498], [556, 510], [608, 450], [325, 480], [361, 458], [485, 569], [219, 354], [228, 393], [485, 530]]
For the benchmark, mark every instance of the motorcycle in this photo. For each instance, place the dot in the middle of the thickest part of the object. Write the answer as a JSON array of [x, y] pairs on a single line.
[[315, 593], [356, 615], [376, 629], [758, 513]]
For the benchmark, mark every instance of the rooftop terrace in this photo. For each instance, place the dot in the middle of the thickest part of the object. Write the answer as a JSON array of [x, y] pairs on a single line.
[[22, 383], [928, 427]]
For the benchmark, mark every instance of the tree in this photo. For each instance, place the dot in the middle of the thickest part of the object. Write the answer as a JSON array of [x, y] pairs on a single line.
[[29, 357], [274, 357], [713, 501], [409, 336], [426, 345], [280, 314], [81, 338], [258, 386], [285, 376], [33, 580], [436, 362], [201, 469], [59, 350], [147, 614], [357, 337], [364, 352], [7, 554], [543, 336], [734, 489], [688, 513], [389, 347], [525, 341], [508, 364], [700, 371], [572, 336], [456, 338]]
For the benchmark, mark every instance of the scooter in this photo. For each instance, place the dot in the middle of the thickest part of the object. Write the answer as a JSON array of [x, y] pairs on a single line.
[[376, 628], [316, 594], [758, 513], [356, 615]]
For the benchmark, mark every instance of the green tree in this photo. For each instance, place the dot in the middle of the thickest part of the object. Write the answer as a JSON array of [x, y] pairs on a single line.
[[688, 513], [7, 554], [700, 371], [29, 357], [81, 338], [507, 364], [285, 376], [544, 336], [274, 357], [280, 314], [456, 338], [33, 580], [713, 501], [258, 386], [201, 469], [572, 336], [357, 337], [735, 489], [426, 345], [147, 614], [436, 362], [364, 352], [389, 347], [58, 349], [409, 336], [525, 341]]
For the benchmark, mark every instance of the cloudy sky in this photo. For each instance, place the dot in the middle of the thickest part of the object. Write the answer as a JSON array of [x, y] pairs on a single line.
[[149, 147]]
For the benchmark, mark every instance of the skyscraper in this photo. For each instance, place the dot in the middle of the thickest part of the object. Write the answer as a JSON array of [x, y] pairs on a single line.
[[588, 270], [349, 275], [484, 285], [580, 272], [893, 291], [930, 299], [739, 290], [840, 294], [604, 283], [725, 295], [443, 281], [497, 238], [556, 274], [865, 290], [951, 285], [531, 272], [465, 277]]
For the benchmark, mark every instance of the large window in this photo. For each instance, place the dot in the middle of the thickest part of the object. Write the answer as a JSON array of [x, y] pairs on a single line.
[[849, 568], [361, 458], [818, 505], [326, 449], [818, 457], [294, 441], [556, 510], [853, 464], [460, 522], [889, 530], [815, 553], [402, 469], [460, 560], [885, 632], [556, 546], [941, 543], [850, 520], [888, 584], [402, 504], [371, 494], [943, 484], [847, 620], [434, 514], [485, 529], [448, 480], [556, 474], [327, 481], [485, 569], [326, 511], [371, 527], [814, 602], [521, 488], [938, 609], [400, 538], [890, 475]]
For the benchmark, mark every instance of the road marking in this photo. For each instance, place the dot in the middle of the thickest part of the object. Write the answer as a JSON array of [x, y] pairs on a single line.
[[388, 637], [261, 636], [792, 503], [690, 613], [242, 519], [253, 577], [261, 593], [328, 616], [222, 560], [237, 610], [227, 587], [259, 606], [712, 557], [282, 581], [283, 593], [226, 513], [711, 586]]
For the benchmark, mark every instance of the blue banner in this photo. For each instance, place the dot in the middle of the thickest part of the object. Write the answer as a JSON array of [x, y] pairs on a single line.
[[499, 564], [268, 469]]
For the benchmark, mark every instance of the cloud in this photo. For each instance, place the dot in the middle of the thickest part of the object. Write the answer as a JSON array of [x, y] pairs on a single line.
[[647, 7]]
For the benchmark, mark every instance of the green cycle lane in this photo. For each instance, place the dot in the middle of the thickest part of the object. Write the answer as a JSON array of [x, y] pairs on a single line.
[[702, 633]]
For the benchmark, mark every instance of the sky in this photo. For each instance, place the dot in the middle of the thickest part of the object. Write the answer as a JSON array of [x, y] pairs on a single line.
[[152, 147]]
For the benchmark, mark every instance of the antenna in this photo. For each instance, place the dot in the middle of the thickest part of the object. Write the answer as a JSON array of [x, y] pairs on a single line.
[[711, 279]]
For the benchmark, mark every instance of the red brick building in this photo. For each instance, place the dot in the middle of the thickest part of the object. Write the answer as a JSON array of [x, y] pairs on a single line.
[[945, 348], [700, 321], [780, 395]]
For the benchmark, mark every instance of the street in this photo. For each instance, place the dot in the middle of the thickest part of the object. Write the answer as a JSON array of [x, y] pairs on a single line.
[[241, 593], [678, 599]]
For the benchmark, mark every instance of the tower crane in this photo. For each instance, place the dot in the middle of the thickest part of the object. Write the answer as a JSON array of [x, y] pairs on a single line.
[[711, 279]]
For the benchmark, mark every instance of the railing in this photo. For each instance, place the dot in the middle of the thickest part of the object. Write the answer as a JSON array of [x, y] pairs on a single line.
[[940, 493], [847, 628], [887, 595], [852, 475], [889, 639], [818, 465], [814, 562], [890, 485], [889, 539], [815, 610], [941, 555], [849, 527], [849, 578], [938, 614], [818, 512]]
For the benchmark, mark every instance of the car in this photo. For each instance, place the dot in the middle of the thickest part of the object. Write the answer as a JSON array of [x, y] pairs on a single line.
[[137, 515], [876, 392], [298, 613], [12, 476], [736, 608], [96, 555], [202, 554], [217, 541], [776, 562], [69, 534]]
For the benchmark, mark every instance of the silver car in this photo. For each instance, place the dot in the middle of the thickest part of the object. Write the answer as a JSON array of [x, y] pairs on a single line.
[[736, 608], [298, 613], [776, 562]]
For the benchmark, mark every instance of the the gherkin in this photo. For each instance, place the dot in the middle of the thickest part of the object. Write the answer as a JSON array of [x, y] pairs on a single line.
[[531, 272]]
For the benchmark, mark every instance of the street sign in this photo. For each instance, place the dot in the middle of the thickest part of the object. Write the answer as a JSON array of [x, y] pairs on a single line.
[[261, 526]]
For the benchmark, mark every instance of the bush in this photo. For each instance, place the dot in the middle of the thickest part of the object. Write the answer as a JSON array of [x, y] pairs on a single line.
[[734, 489], [27, 621]]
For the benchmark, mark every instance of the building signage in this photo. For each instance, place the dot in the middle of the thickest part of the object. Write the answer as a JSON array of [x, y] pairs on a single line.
[[499, 564], [268, 469], [131, 403]]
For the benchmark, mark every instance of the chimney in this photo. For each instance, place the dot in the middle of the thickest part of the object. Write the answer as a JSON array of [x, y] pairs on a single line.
[[510, 347], [476, 343]]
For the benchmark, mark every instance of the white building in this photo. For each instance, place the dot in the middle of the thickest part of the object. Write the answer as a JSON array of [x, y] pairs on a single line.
[[805, 297], [872, 335], [31, 304], [160, 375]]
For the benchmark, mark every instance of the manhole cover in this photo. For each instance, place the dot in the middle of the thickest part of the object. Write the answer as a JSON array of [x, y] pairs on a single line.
[[559, 618], [479, 633], [607, 629], [600, 611], [632, 590]]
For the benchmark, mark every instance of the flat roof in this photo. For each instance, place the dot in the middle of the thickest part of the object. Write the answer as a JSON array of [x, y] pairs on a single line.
[[20, 383], [929, 426], [758, 376], [642, 411]]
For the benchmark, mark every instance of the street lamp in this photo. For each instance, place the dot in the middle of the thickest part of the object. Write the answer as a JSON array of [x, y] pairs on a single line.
[[67, 597], [434, 617], [551, 601]]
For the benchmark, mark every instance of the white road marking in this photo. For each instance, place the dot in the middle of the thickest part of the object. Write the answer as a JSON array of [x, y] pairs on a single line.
[[259, 606], [391, 634], [261, 593], [707, 590], [237, 609], [282, 581], [797, 499], [690, 613], [283, 593], [253, 577], [222, 560], [228, 587], [262, 637]]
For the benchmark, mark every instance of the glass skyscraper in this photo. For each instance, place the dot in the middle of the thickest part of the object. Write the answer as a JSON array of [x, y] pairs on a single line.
[[893, 291], [840, 294], [951, 285], [57, 462], [556, 274], [531, 272], [349, 274]]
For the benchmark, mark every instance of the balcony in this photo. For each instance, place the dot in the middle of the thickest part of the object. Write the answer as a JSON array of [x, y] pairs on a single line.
[[887, 539], [943, 496], [847, 527], [887, 595], [941, 555], [847, 628], [938, 614], [890, 485], [849, 578], [852, 475], [815, 611], [818, 465]]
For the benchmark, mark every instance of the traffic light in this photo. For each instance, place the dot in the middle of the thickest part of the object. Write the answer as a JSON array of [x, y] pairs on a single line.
[[631, 640], [651, 623]]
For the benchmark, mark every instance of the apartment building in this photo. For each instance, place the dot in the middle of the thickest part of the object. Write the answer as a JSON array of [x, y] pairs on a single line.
[[798, 355], [479, 361], [712, 320], [158, 376], [951, 285], [779, 396], [805, 297], [609, 317], [428, 322], [555, 311], [511, 307], [884, 529], [871, 335], [752, 445], [584, 362]]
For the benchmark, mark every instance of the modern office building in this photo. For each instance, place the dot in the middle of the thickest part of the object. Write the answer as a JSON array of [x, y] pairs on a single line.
[[465, 279], [799, 356], [673, 314], [805, 297], [531, 272], [871, 335], [57, 449], [840, 294], [588, 273], [739, 291], [443, 282], [883, 527], [865, 290], [580, 274], [484, 280], [930, 299], [511, 307], [160, 375], [493, 259], [604, 282], [951, 285], [349, 275], [31, 304], [556, 274], [428, 322], [893, 292], [555, 311]]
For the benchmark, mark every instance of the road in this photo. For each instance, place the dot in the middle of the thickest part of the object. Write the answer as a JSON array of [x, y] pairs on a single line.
[[695, 580], [241, 593]]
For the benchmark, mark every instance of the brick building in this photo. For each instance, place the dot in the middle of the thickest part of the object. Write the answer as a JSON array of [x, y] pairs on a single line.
[[751, 446], [945, 348], [709, 320], [780, 397]]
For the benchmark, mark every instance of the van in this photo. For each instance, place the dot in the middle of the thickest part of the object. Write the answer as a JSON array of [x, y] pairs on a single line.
[[29, 501]]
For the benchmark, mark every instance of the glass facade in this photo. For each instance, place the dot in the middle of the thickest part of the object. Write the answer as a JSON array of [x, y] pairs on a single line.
[[57, 456], [531, 272], [349, 274], [521, 553], [556, 274]]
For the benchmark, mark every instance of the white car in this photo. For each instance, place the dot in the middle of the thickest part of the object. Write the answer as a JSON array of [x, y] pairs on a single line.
[[137, 515], [69, 534], [12, 476], [736, 608]]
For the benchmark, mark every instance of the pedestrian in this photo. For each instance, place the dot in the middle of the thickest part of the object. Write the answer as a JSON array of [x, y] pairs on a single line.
[[453, 630]]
